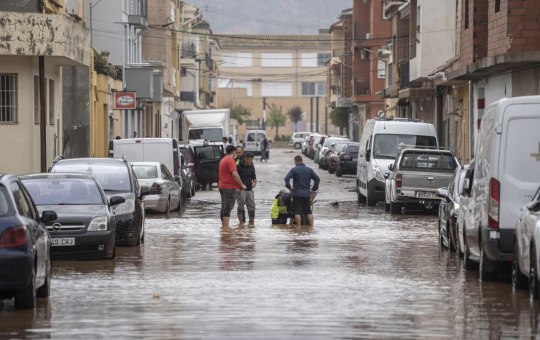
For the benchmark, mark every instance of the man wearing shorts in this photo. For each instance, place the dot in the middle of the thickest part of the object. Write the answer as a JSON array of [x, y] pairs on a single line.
[[301, 176], [229, 184]]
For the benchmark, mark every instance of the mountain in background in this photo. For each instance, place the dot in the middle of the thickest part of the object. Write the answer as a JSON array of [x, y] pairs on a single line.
[[270, 16]]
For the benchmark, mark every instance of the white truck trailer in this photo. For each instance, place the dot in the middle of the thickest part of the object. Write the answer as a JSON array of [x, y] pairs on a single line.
[[198, 125]]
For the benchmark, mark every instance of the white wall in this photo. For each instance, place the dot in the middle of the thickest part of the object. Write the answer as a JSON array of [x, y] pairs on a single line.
[[108, 35]]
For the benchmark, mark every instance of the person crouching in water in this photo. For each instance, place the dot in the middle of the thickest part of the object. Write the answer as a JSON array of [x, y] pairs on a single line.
[[282, 208], [246, 171]]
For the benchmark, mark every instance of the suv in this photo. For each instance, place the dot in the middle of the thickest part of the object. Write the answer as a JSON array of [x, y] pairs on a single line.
[[298, 138], [117, 178]]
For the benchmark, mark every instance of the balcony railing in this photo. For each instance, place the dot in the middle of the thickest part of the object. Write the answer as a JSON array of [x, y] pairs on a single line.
[[188, 96], [361, 86], [188, 50]]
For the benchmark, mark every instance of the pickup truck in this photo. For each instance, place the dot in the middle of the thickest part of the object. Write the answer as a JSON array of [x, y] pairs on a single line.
[[415, 176]]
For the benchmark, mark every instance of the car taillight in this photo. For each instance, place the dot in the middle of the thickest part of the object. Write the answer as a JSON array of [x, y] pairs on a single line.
[[155, 189], [398, 181], [13, 237], [344, 156], [493, 205]]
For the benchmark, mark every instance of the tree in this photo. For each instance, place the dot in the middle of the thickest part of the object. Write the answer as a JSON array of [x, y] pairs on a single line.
[[340, 118], [295, 115], [276, 117], [240, 113]]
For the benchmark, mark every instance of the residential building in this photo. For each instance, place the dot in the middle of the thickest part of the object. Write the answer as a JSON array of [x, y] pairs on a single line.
[[207, 65], [281, 70], [37, 39], [370, 33]]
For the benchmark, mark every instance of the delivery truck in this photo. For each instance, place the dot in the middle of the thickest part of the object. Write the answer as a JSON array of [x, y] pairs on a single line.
[[198, 125]]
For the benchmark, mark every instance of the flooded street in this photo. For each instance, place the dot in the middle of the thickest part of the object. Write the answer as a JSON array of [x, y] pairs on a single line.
[[359, 273]]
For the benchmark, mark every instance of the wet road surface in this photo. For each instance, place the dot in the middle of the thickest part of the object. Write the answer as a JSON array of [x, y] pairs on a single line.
[[359, 273]]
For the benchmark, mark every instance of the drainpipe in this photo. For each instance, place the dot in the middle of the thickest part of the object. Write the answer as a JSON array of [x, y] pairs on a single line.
[[471, 120]]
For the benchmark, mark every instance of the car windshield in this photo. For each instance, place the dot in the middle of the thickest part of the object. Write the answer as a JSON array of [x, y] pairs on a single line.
[[423, 161], [212, 134], [145, 171], [112, 176], [352, 149], [330, 141], [389, 146], [64, 191], [6, 208]]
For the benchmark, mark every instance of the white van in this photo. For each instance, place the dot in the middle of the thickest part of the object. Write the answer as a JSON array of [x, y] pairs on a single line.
[[506, 176], [381, 142], [298, 138], [163, 150], [252, 141]]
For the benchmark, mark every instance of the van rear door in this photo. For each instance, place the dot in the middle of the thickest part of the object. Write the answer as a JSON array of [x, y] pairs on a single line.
[[519, 165], [251, 141]]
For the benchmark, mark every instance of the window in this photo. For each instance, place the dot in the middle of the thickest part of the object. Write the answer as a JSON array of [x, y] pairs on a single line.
[[497, 6], [314, 89], [228, 83], [381, 69], [23, 206], [237, 60], [276, 59], [466, 14], [322, 58], [8, 98], [276, 90], [250, 124], [51, 102]]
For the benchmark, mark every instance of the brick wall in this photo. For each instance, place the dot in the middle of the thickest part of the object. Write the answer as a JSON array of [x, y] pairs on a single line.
[[474, 38], [346, 88], [515, 27]]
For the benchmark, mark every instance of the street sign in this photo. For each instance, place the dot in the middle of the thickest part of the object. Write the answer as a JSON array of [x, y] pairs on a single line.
[[125, 101]]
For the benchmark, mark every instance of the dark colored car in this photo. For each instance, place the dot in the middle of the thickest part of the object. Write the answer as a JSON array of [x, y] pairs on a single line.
[[207, 160], [117, 178], [189, 169], [348, 160], [25, 263], [85, 227], [449, 209]]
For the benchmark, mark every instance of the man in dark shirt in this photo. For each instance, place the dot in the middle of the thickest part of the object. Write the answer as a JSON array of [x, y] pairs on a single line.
[[302, 176], [246, 171]]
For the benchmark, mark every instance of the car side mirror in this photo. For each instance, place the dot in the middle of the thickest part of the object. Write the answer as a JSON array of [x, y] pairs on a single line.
[[442, 192], [391, 167], [116, 200], [145, 190], [368, 155], [533, 206], [48, 216], [386, 175]]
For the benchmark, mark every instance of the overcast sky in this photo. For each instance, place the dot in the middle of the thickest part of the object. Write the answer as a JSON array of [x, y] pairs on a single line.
[[270, 16]]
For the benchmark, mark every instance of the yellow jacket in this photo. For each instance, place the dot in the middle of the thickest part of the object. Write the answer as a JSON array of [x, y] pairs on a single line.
[[277, 209]]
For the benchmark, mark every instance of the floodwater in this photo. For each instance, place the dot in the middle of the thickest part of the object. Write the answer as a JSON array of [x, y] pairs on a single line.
[[359, 273]]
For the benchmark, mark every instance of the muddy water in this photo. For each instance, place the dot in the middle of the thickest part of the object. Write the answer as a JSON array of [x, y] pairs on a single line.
[[359, 273]]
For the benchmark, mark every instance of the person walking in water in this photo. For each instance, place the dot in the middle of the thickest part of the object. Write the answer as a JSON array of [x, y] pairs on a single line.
[[229, 184], [246, 171], [264, 148], [302, 176]]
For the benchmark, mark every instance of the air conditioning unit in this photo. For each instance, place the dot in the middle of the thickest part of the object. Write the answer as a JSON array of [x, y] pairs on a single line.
[[75, 8], [451, 101]]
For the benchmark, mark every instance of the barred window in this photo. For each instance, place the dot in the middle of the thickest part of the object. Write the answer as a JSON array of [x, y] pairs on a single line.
[[251, 124], [8, 98], [313, 89]]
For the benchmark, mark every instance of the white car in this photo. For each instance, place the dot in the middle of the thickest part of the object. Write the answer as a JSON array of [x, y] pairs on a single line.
[[298, 138], [526, 247], [506, 175], [165, 192]]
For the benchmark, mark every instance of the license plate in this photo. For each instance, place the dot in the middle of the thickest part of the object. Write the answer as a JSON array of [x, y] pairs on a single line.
[[63, 242], [426, 195]]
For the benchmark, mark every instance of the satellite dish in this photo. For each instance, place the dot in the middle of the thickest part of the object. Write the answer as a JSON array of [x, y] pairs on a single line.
[[73, 6], [175, 115], [380, 113]]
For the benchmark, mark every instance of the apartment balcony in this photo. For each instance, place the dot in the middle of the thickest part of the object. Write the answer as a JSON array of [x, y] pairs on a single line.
[[188, 96], [417, 92], [138, 13], [49, 35], [188, 55], [140, 80]]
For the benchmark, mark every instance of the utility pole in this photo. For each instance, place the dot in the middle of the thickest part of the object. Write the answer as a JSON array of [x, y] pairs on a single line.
[[264, 114], [311, 115], [91, 32], [42, 115], [326, 120], [317, 126]]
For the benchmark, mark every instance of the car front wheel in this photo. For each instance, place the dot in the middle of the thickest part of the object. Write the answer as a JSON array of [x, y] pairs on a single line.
[[45, 290], [518, 279], [533, 279]]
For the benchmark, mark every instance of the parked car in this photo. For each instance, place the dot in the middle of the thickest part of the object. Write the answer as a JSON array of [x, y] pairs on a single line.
[[333, 157], [449, 209], [85, 227], [165, 193], [189, 169], [298, 138], [526, 246], [117, 178], [465, 209], [252, 141], [207, 162], [323, 155], [347, 160], [314, 146], [506, 176], [163, 150], [415, 177], [305, 146], [25, 245], [382, 141]]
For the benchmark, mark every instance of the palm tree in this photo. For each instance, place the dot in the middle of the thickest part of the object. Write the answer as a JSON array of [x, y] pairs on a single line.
[[277, 117]]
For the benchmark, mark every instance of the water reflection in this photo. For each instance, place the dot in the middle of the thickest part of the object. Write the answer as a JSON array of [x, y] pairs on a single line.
[[237, 248], [22, 324]]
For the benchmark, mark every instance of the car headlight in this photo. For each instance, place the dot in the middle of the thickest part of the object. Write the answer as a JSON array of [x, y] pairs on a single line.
[[98, 224], [377, 173], [125, 208]]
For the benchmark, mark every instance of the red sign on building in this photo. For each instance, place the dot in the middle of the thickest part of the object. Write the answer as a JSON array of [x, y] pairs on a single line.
[[125, 101]]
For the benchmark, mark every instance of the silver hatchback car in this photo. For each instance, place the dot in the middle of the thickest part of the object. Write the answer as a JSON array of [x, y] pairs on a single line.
[[165, 192]]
